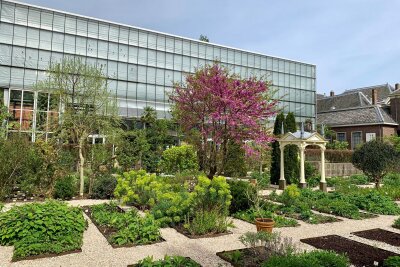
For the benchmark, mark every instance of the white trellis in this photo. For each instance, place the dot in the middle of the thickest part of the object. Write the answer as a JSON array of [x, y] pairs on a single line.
[[302, 139]]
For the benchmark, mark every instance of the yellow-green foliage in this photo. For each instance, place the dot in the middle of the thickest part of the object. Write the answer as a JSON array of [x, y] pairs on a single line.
[[171, 200], [179, 158], [291, 194], [136, 187], [209, 194]]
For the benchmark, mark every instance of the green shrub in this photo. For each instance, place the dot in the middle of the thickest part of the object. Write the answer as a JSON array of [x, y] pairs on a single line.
[[374, 202], [208, 222], [240, 191], [314, 258], [313, 181], [34, 229], [65, 188], [263, 179], [104, 186], [393, 261], [131, 228], [211, 194], [359, 179], [396, 223], [170, 261], [392, 179], [290, 195], [179, 158], [135, 187]]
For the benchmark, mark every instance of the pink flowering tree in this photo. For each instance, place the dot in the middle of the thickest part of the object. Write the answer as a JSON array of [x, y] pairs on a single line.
[[214, 107]]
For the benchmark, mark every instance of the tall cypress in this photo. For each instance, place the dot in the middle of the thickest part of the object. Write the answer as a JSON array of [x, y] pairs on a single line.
[[291, 153], [276, 153]]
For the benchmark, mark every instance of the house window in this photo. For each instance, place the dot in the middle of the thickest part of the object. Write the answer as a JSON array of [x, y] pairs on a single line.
[[370, 137], [341, 137], [355, 139]]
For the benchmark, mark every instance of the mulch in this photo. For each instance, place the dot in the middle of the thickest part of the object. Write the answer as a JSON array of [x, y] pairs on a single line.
[[359, 254], [380, 235], [249, 257]]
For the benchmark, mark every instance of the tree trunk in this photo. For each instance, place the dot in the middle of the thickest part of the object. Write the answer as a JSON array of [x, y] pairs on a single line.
[[224, 156], [81, 167], [377, 182], [213, 161]]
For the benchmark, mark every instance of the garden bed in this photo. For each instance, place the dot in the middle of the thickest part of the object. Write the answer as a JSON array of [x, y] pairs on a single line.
[[380, 235], [41, 230], [182, 230], [313, 218], [247, 257], [360, 254], [123, 229], [172, 261]]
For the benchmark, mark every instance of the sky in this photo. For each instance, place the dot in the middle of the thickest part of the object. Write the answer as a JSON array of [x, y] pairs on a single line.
[[353, 43]]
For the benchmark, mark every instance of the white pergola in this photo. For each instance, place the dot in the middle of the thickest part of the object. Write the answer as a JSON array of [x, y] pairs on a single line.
[[302, 139]]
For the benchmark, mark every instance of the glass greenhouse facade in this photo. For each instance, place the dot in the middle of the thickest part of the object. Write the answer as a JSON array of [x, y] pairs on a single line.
[[141, 65]]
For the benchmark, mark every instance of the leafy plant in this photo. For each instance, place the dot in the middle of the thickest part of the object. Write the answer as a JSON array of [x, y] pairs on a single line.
[[337, 145], [178, 159], [171, 261], [130, 227], [65, 188], [240, 191], [273, 242], [392, 261], [314, 258], [263, 179], [235, 256], [35, 229], [208, 222], [396, 223], [250, 216], [104, 186]]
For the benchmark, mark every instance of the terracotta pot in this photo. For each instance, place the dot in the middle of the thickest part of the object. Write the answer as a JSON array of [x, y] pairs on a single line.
[[253, 181], [264, 224]]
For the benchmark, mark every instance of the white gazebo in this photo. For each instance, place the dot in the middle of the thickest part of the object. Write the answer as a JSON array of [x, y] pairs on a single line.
[[302, 139]]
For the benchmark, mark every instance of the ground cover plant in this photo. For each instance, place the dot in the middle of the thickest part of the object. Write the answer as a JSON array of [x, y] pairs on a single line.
[[396, 223], [171, 261], [41, 229], [346, 204], [314, 258], [124, 228], [393, 261]]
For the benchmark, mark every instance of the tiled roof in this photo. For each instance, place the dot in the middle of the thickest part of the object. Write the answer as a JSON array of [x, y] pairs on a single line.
[[352, 98], [355, 116]]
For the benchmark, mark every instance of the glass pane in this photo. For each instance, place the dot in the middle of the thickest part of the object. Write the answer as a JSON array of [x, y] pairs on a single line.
[[58, 22], [42, 101], [46, 21], [21, 15], [7, 12], [41, 120], [27, 118], [6, 33]]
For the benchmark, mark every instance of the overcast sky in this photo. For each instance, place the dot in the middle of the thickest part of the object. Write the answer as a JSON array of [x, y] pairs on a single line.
[[354, 43]]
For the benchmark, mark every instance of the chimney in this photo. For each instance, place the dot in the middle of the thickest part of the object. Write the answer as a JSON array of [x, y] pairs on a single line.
[[332, 93], [397, 86], [374, 96]]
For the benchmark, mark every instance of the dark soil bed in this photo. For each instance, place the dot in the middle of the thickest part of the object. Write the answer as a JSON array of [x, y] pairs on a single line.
[[359, 254], [182, 230], [107, 231], [381, 235], [47, 255], [249, 257], [315, 218]]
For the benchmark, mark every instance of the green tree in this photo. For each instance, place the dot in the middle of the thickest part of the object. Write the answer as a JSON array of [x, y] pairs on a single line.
[[235, 165], [131, 148], [86, 106], [204, 38], [149, 116], [375, 158], [178, 159], [276, 153], [292, 164]]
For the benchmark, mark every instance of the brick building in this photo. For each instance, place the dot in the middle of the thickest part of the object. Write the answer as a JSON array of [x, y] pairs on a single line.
[[360, 115]]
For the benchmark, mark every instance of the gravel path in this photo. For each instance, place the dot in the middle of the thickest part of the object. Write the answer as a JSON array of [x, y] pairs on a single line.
[[97, 252]]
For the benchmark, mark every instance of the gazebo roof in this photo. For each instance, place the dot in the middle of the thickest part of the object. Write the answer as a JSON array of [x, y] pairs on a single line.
[[296, 138]]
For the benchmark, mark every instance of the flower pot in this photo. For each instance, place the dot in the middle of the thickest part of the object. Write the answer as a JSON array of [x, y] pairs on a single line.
[[264, 224], [253, 181]]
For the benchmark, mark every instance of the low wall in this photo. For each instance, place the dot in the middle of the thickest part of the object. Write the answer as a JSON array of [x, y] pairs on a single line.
[[336, 169]]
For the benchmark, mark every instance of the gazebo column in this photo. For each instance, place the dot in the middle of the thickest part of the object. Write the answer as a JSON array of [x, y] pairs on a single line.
[[322, 183], [303, 183], [282, 181]]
